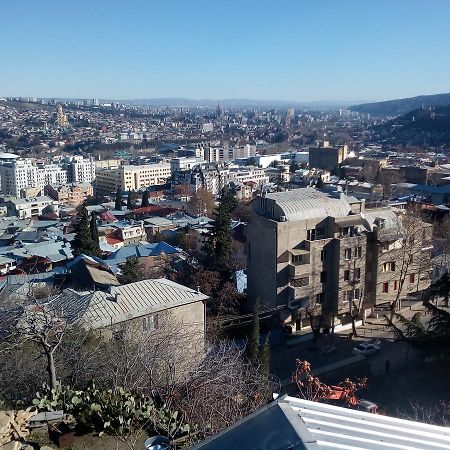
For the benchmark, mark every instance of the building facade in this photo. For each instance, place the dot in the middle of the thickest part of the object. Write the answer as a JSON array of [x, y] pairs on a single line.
[[131, 178], [327, 157], [313, 254]]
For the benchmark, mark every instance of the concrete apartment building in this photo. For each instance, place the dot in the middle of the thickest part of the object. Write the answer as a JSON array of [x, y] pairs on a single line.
[[71, 195], [131, 178], [327, 157], [81, 170], [313, 254], [23, 175], [25, 208]]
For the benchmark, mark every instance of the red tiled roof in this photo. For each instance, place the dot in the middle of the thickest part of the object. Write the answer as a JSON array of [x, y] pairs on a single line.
[[112, 240], [108, 216]]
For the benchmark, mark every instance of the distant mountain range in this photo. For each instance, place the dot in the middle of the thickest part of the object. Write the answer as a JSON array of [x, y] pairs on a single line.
[[238, 102], [401, 106], [320, 105], [421, 127]]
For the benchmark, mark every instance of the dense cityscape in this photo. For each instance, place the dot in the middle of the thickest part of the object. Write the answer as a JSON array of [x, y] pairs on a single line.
[[225, 274]]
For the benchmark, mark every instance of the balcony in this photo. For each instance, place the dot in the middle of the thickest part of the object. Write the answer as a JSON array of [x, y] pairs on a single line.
[[297, 270]]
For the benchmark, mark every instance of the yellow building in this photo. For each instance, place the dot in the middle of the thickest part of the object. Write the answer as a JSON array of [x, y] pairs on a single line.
[[130, 178]]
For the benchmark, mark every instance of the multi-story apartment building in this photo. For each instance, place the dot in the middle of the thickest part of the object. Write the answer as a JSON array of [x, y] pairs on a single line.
[[327, 157], [25, 208], [227, 153], [313, 254], [81, 170], [131, 178], [244, 175], [19, 176], [51, 174], [72, 195]]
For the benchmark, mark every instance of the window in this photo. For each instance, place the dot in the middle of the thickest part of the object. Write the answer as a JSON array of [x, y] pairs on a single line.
[[149, 323], [300, 282], [389, 266], [346, 275], [351, 295], [396, 285], [323, 277], [357, 274], [301, 259], [311, 235], [385, 288], [320, 231], [411, 278], [358, 252], [348, 253], [348, 231]]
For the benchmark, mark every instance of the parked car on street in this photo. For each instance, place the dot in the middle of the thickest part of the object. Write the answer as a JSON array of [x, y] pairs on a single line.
[[367, 406], [366, 349]]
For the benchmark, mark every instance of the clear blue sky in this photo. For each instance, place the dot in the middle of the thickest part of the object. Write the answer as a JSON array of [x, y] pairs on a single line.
[[291, 50]]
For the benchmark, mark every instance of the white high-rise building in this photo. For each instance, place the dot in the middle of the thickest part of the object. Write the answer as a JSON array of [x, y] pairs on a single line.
[[18, 175], [81, 170], [51, 174], [22, 174]]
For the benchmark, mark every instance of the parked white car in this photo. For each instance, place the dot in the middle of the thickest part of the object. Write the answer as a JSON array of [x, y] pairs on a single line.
[[366, 349]]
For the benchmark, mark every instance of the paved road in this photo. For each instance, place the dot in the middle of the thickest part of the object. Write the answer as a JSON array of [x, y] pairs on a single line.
[[333, 348]]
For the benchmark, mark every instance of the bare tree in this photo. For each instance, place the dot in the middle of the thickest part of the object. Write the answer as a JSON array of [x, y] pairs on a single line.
[[202, 202], [40, 324], [408, 260], [436, 414], [224, 388]]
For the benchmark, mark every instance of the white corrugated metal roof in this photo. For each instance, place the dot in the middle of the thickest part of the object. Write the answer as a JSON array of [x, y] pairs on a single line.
[[293, 423], [388, 214], [335, 427], [310, 203]]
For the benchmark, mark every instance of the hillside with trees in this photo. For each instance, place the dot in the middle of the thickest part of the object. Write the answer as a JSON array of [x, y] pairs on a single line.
[[401, 106], [421, 127]]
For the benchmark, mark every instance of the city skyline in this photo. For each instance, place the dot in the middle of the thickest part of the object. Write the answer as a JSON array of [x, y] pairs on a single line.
[[293, 51]]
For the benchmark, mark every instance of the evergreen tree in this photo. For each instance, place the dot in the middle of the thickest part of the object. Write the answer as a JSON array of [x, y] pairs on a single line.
[[253, 340], [145, 201], [264, 357], [118, 204], [83, 238], [217, 247], [319, 182], [129, 201], [293, 167], [131, 272], [94, 236]]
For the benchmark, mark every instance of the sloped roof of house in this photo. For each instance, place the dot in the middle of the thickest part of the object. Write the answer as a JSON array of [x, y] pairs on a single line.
[[99, 309], [293, 423], [139, 251]]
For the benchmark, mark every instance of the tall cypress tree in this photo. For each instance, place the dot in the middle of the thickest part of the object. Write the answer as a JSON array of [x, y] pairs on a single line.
[[94, 236], [319, 182], [253, 340], [83, 239], [118, 204], [145, 200], [264, 357], [129, 201], [217, 246]]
